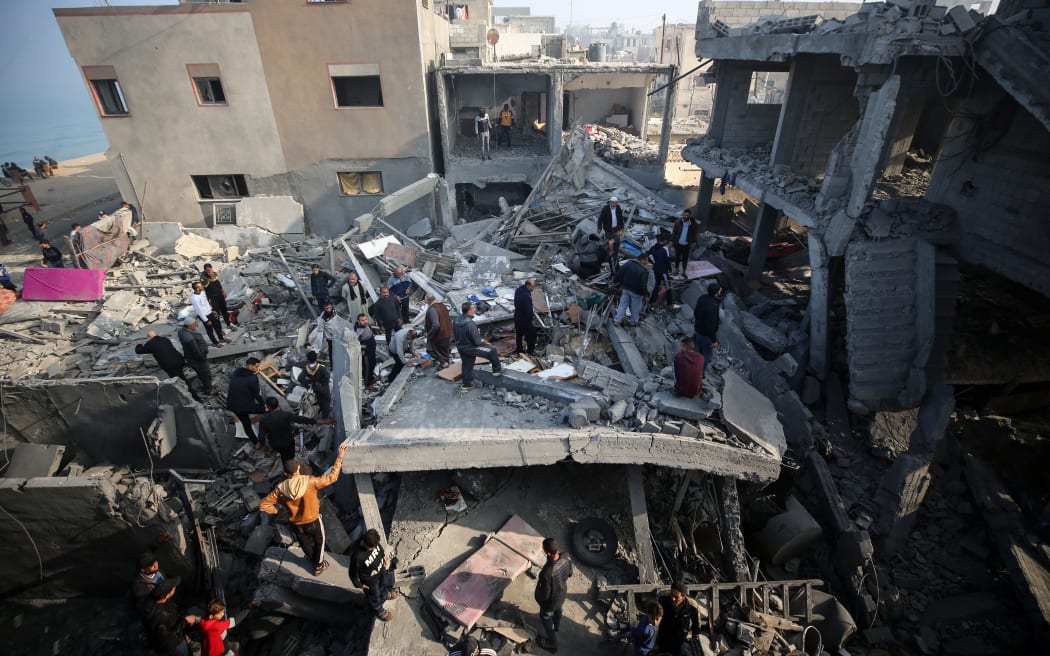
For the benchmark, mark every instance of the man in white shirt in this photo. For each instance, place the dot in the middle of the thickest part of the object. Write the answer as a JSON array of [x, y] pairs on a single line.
[[209, 317]]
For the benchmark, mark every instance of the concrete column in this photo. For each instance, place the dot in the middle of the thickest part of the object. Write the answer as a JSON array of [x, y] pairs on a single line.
[[724, 71], [443, 122], [703, 200], [346, 379], [366, 496], [555, 107], [670, 96], [760, 240], [642, 535], [799, 83], [818, 305]]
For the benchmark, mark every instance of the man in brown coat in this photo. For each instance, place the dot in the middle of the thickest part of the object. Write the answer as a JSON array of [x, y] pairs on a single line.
[[438, 326], [298, 493]]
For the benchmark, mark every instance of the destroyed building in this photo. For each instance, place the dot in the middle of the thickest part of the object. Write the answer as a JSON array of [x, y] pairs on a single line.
[[818, 496]]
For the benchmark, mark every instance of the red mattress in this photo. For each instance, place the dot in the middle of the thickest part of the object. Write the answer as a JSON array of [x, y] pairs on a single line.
[[472, 587], [63, 284]]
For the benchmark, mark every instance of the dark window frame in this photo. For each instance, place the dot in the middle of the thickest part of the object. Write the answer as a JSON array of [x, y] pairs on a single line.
[[207, 184]]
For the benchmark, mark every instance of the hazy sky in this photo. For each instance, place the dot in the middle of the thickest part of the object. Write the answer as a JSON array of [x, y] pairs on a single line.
[[602, 12]]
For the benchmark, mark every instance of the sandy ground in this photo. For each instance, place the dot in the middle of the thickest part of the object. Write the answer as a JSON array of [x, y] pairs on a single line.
[[75, 194]]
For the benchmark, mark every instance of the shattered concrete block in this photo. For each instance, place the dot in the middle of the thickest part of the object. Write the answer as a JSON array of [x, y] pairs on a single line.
[[32, 460], [762, 334], [577, 417], [751, 416], [684, 407], [618, 411], [590, 407], [608, 380], [189, 245], [900, 495], [672, 427], [259, 540], [649, 427], [689, 430]]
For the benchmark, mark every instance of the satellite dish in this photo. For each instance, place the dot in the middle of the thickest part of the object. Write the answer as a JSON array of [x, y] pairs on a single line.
[[492, 36]]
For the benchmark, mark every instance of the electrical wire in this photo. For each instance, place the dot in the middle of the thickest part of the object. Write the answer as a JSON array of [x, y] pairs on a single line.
[[39, 560]]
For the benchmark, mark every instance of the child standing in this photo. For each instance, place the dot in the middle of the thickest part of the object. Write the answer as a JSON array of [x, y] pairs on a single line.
[[643, 636], [213, 631]]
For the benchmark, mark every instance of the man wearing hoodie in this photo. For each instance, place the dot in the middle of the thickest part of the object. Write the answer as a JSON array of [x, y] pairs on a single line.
[[243, 397], [298, 493]]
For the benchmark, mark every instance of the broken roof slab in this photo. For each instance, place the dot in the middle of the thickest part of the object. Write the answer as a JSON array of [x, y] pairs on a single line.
[[559, 67], [853, 48], [436, 427]]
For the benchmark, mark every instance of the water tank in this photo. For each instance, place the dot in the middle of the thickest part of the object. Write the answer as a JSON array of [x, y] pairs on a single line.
[[596, 52]]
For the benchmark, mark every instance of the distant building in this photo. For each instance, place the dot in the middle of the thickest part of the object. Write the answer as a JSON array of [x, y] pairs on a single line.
[[206, 103]]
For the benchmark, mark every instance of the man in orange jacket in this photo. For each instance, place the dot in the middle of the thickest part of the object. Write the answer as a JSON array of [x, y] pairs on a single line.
[[298, 493]]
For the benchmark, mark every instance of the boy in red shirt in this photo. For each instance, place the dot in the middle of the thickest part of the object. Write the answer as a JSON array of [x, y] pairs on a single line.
[[213, 630]]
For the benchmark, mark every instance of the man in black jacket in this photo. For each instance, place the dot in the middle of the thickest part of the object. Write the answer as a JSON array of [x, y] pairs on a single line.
[[633, 278], [660, 256], [387, 313], [320, 281], [524, 331], [52, 257], [195, 350], [368, 571], [705, 322], [551, 590], [683, 237], [315, 377], [165, 627], [243, 398], [216, 294], [611, 217], [168, 359], [470, 345], [275, 428], [680, 625]]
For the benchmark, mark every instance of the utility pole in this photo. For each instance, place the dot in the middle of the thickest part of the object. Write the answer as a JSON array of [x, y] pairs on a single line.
[[663, 32]]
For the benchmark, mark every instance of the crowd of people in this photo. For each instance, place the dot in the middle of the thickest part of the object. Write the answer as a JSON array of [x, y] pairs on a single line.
[[43, 167]]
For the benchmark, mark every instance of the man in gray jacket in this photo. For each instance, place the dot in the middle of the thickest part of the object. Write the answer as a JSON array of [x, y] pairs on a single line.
[[195, 350], [470, 345]]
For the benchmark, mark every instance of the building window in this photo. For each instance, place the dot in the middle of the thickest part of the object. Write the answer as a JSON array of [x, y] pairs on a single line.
[[361, 183], [109, 98], [210, 187], [207, 84], [356, 85]]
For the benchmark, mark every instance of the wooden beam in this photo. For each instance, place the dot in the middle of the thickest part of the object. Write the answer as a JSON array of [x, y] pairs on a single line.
[[642, 535]]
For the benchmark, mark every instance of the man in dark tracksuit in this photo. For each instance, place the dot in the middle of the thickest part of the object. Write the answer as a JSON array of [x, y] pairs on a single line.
[[168, 359], [315, 377], [216, 294], [243, 398], [524, 331], [165, 627], [551, 590], [275, 428], [368, 571], [368, 349], [320, 281], [387, 313], [705, 322], [195, 350], [470, 345], [660, 256]]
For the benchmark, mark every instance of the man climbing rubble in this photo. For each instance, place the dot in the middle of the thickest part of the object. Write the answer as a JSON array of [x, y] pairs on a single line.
[[275, 429], [195, 351], [165, 627], [298, 493], [470, 346], [402, 351], [148, 578], [168, 359], [316, 378], [368, 571], [243, 397], [206, 313], [636, 282]]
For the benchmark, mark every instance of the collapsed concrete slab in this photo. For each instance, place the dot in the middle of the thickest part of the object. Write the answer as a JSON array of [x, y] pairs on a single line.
[[751, 416]]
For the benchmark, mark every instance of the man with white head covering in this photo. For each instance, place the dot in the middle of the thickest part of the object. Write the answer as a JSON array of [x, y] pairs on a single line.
[[611, 217]]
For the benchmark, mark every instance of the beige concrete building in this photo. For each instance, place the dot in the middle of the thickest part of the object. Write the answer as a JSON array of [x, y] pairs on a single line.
[[326, 102]]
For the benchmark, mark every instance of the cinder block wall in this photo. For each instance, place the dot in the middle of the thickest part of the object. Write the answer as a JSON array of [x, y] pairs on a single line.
[[738, 13], [829, 111], [746, 125], [1000, 192]]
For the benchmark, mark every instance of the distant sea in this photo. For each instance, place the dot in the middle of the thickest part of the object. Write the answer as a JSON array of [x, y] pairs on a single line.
[[65, 131]]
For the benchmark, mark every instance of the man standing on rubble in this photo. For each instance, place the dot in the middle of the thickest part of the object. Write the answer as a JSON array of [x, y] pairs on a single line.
[[524, 330], [506, 122], [148, 578], [298, 493], [683, 236], [470, 346], [368, 571], [320, 281], [482, 128], [680, 625], [315, 377], [275, 429], [387, 313], [400, 287], [203, 309], [551, 590], [76, 240], [243, 397], [195, 350], [330, 325], [705, 322], [438, 327], [353, 292], [635, 280], [660, 256], [165, 627], [611, 217], [168, 359], [52, 257], [368, 349], [688, 367], [216, 294]]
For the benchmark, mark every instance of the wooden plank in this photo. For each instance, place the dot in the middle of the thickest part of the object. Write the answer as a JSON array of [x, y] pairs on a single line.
[[17, 335], [452, 373], [642, 535]]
